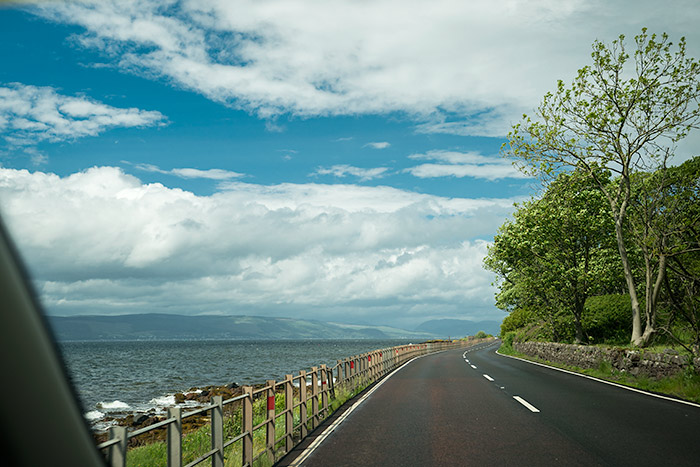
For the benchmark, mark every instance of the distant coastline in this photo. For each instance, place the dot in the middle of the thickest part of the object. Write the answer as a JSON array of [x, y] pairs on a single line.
[[171, 327]]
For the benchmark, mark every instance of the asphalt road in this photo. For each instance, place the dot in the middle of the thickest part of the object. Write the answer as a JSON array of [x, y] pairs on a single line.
[[442, 410]]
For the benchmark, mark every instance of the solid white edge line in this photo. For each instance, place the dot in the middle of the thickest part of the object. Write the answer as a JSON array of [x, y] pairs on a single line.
[[312, 447], [488, 377], [531, 407], [659, 396]]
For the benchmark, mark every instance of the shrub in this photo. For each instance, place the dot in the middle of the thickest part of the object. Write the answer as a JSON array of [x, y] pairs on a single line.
[[608, 319], [507, 342], [517, 318]]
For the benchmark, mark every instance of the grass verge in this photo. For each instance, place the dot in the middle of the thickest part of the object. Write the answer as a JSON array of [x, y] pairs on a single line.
[[198, 442], [684, 385]]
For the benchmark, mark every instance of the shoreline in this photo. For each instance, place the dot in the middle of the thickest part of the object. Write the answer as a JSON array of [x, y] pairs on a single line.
[[193, 398]]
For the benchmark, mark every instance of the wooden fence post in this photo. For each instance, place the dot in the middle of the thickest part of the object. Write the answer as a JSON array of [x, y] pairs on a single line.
[[314, 397], [288, 411], [370, 368], [355, 370], [174, 436], [364, 368], [270, 419], [217, 431], [303, 410], [375, 365], [247, 416], [324, 390], [117, 452]]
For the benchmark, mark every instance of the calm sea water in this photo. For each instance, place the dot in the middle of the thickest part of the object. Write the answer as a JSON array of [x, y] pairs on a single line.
[[134, 376]]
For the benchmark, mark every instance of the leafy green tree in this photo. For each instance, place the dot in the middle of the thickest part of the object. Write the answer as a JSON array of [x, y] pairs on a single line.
[[625, 120], [557, 251], [675, 238]]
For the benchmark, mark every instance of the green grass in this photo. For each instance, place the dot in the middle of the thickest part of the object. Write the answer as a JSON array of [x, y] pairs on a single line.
[[684, 385], [198, 442]]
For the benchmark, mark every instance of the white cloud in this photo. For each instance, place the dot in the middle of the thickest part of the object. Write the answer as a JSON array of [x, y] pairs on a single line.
[[489, 122], [378, 145], [458, 164], [212, 174], [343, 170], [482, 62], [101, 241], [30, 114]]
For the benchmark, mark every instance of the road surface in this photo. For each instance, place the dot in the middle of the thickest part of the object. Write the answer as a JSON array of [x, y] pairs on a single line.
[[479, 408]]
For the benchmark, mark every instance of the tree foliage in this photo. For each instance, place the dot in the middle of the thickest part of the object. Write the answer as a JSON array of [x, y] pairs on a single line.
[[625, 113], [557, 251], [677, 236]]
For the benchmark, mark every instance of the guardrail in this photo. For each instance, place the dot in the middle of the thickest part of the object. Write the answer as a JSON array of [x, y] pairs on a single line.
[[286, 411]]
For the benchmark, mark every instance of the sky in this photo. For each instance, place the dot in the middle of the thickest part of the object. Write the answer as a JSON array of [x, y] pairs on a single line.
[[336, 160]]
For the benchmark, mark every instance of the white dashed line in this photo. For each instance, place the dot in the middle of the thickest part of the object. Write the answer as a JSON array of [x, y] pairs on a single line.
[[473, 366], [658, 396], [531, 407], [488, 377]]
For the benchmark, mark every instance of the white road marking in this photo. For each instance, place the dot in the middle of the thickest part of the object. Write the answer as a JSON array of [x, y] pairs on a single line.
[[488, 377], [317, 442], [658, 396], [526, 404], [473, 366], [466, 360]]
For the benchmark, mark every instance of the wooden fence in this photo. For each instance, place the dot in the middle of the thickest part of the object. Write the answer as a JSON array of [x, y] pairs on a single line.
[[264, 423]]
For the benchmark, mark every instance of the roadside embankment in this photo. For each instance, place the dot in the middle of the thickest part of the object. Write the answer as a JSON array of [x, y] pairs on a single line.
[[627, 361]]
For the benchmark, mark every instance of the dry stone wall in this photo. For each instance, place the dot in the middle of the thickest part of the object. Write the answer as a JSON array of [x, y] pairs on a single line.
[[634, 362]]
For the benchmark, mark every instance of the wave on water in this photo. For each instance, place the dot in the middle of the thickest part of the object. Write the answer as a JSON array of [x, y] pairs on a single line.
[[93, 415], [114, 405], [163, 401]]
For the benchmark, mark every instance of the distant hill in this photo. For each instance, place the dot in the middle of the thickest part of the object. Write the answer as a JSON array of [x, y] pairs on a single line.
[[458, 327], [167, 326]]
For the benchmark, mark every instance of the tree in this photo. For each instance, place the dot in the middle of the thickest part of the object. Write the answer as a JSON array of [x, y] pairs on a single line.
[[557, 251], [626, 121], [676, 233]]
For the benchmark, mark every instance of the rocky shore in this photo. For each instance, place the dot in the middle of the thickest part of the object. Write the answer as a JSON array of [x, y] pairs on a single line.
[[191, 399]]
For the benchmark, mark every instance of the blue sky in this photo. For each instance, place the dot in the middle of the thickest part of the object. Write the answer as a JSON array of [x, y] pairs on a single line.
[[336, 161]]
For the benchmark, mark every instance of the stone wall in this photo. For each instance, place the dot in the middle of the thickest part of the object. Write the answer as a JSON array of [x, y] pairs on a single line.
[[634, 362]]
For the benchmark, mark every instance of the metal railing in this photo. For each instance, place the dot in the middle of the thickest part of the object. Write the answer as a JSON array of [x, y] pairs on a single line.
[[290, 408]]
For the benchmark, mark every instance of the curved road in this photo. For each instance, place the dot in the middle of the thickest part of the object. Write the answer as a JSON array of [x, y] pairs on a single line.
[[460, 408]]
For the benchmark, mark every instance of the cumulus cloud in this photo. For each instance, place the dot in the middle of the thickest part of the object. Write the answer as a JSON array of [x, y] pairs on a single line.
[[101, 241], [343, 170], [482, 62], [211, 174], [458, 164], [31, 114]]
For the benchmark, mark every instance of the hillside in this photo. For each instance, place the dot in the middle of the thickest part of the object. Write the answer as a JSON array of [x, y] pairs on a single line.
[[166, 326], [458, 327]]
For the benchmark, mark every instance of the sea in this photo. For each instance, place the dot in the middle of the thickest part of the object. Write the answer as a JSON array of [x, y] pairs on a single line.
[[117, 378]]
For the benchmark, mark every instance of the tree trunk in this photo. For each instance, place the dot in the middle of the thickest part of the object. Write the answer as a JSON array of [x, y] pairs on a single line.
[[579, 331], [636, 338], [578, 313], [652, 296]]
